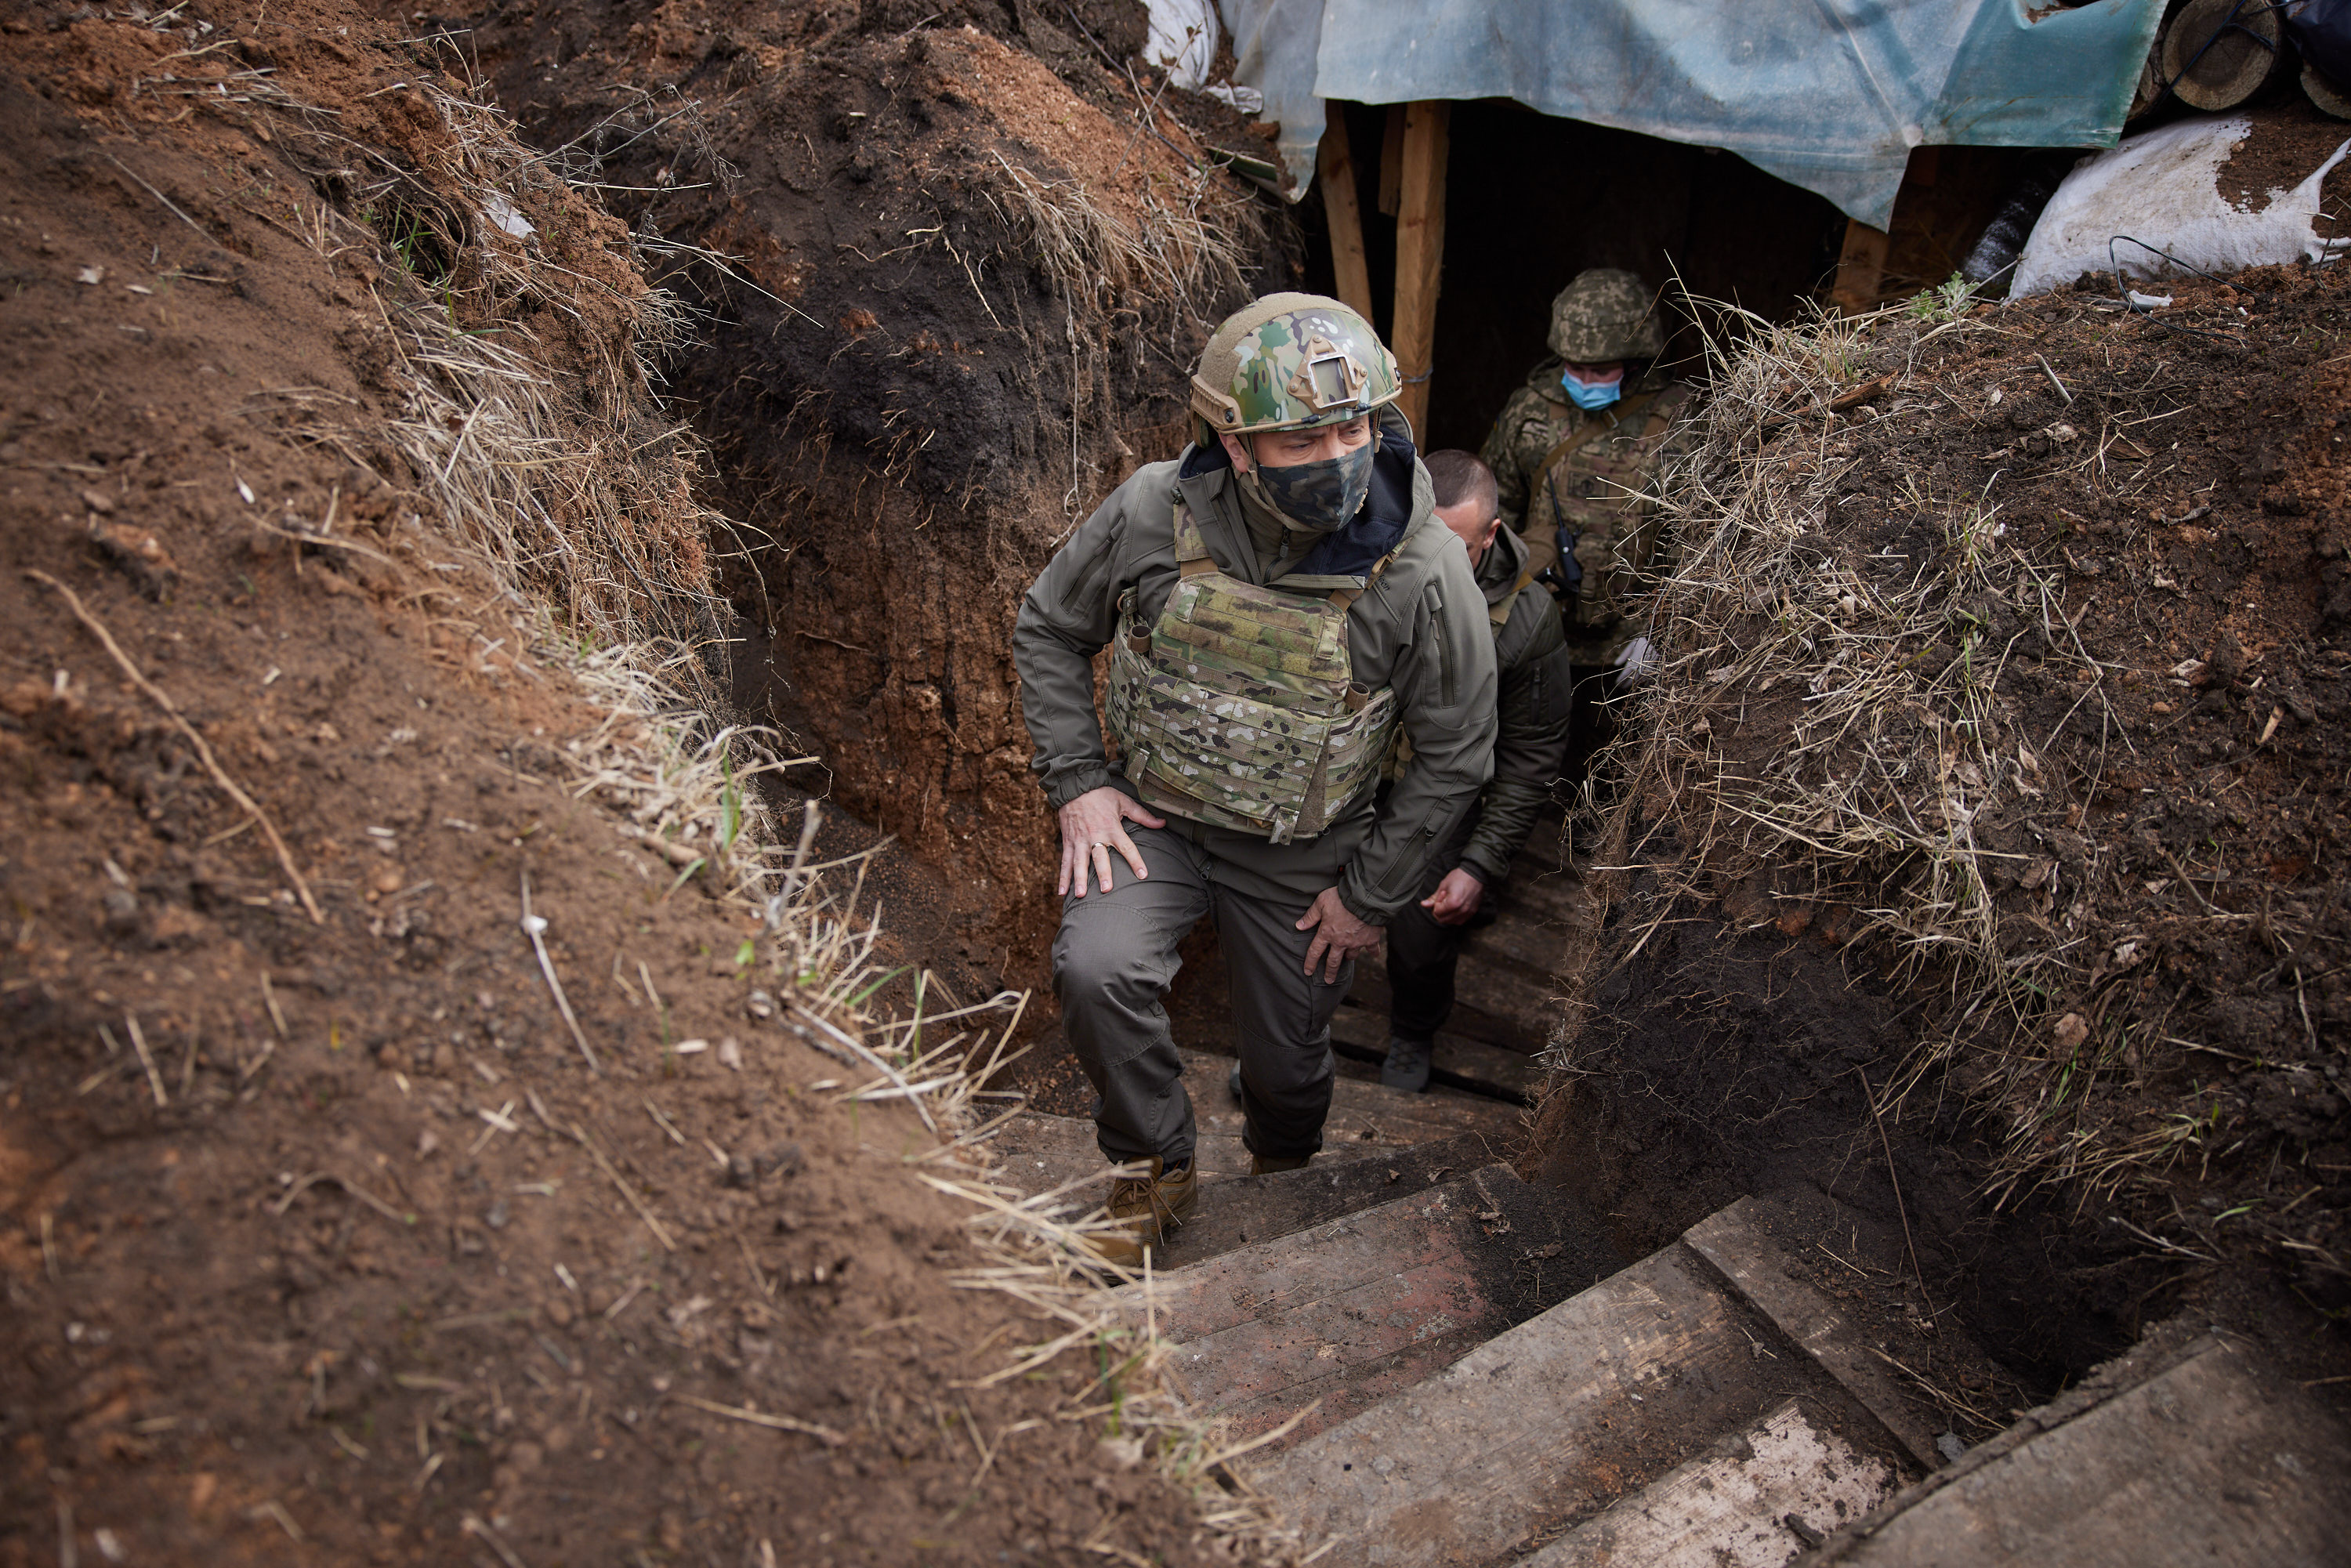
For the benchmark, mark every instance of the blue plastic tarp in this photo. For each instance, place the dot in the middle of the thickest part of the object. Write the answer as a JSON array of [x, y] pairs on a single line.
[[1827, 94]]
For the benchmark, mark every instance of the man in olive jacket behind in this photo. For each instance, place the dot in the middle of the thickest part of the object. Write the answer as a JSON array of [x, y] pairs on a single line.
[[1281, 601], [1534, 701]]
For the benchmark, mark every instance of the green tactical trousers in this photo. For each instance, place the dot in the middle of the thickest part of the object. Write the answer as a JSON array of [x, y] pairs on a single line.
[[1112, 963]]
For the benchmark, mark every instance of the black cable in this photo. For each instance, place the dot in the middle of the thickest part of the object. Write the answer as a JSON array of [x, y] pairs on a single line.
[[2147, 311]]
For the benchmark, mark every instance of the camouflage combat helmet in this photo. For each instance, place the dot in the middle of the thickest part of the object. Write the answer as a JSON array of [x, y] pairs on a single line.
[[1605, 314], [1290, 362]]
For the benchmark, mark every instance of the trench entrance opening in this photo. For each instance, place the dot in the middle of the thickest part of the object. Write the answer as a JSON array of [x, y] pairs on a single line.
[[1679, 1122], [878, 606]]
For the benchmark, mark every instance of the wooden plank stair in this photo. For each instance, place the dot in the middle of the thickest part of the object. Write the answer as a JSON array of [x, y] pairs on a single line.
[[1320, 1323], [2199, 1454], [1455, 1373], [1039, 1152], [1469, 1066], [1616, 1392]]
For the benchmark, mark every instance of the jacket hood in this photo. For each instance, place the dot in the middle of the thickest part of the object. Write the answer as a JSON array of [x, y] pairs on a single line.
[[1498, 572]]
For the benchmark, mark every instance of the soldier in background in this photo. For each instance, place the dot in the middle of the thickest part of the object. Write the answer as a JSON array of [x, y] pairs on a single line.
[[1573, 451], [1279, 601], [1533, 703]]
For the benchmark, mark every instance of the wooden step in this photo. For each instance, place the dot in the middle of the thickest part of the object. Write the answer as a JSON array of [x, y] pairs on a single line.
[[1736, 1241], [2204, 1455], [1247, 1209], [1545, 895], [1537, 950], [1496, 1002], [1469, 1066], [1039, 1152], [1757, 1501], [1551, 1424], [1364, 1113], [1323, 1323]]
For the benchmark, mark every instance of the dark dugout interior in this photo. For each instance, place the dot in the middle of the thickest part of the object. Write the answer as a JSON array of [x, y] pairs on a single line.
[[1532, 200]]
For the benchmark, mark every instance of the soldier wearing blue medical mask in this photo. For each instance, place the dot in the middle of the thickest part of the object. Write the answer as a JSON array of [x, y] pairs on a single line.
[[1572, 455]]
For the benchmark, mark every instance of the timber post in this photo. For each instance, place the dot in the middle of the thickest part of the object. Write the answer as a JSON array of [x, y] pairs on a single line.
[[1335, 169], [1420, 253]]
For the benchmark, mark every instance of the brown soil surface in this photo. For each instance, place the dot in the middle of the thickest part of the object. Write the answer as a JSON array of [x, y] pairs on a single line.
[[918, 386], [2162, 1124], [321, 1241], [2290, 137]]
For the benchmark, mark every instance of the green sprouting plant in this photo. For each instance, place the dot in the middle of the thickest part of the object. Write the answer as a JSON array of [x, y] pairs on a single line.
[[731, 798], [1947, 301]]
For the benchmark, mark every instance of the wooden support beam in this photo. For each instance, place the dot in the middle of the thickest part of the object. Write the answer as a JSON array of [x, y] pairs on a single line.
[[1420, 253], [1335, 170], [1392, 162], [2216, 54], [1860, 268], [2325, 93]]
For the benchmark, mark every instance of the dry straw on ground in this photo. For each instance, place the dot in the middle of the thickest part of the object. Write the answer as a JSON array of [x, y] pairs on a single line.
[[1822, 733], [571, 511]]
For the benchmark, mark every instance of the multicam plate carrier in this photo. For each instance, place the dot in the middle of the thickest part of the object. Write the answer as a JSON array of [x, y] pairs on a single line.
[[1239, 707]]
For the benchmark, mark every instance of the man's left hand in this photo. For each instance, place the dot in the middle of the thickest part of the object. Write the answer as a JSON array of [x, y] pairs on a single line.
[[1455, 899], [1338, 936]]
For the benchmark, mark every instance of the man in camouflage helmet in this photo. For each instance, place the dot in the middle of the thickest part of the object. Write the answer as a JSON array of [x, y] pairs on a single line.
[[1573, 450], [1280, 601]]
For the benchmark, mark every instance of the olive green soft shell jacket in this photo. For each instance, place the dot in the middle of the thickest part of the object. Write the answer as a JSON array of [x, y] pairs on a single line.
[[1421, 628], [1537, 690]]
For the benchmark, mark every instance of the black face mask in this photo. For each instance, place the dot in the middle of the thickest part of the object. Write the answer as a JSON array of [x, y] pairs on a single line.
[[1316, 497]]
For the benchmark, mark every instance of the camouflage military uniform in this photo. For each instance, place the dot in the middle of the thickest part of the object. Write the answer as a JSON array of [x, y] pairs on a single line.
[[1568, 477], [1418, 630], [1590, 493]]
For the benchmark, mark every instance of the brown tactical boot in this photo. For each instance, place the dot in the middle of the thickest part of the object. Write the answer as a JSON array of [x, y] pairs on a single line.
[[1260, 1164], [1145, 1207]]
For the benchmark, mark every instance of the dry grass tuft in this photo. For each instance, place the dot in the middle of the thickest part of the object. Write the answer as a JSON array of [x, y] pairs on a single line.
[[575, 501], [1184, 246], [1184, 243], [1827, 731]]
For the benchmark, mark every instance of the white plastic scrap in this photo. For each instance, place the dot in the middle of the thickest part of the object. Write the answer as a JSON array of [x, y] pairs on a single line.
[[503, 215], [1184, 43], [2163, 188], [1183, 40]]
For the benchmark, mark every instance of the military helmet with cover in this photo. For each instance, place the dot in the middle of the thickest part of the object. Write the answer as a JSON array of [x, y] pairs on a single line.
[[1290, 362], [1605, 314]]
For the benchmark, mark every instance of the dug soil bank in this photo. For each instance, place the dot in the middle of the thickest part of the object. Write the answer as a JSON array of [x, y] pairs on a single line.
[[980, 249], [330, 1244], [1980, 862], [323, 1241]]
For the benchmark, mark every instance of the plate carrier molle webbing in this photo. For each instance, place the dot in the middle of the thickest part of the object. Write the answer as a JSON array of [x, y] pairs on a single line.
[[1239, 707]]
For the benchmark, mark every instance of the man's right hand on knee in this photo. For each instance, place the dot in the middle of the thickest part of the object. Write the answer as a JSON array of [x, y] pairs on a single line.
[[1092, 826]]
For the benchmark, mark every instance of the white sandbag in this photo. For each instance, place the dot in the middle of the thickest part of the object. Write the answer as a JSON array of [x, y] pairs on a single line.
[[2163, 187], [1183, 40]]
